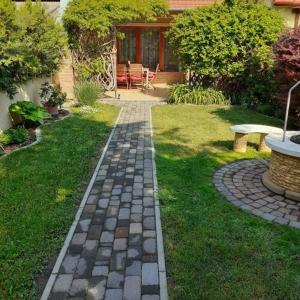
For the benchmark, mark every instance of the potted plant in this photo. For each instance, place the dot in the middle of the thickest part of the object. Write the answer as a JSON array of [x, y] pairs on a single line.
[[52, 98]]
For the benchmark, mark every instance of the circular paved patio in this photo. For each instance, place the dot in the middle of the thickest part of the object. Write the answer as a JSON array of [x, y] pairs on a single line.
[[240, 182]]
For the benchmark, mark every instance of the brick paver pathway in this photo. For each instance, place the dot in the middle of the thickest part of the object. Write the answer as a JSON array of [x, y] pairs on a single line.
[[113, 252], [241, 183]]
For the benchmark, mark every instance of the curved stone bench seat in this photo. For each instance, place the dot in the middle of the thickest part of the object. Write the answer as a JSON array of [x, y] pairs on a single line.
[[243, 130]]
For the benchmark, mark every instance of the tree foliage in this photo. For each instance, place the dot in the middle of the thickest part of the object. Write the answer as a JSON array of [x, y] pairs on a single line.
[[32, 44], [90, 25], [287, 70], [287, 52], [100, 16], [229, 45]]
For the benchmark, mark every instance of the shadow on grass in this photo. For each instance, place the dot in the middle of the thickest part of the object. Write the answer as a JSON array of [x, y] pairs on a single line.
[[231, 115], [214, 250], [40, 190]]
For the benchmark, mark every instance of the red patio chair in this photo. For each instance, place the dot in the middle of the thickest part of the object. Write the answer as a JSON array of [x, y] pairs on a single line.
[[152, 76], [122, 75], [136, 74]]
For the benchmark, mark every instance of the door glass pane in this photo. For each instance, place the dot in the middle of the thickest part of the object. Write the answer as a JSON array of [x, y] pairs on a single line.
[[127, 47], [150, 48], [171, 61]]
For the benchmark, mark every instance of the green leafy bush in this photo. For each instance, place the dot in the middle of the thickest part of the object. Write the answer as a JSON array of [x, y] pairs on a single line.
[[27, 113], [51, 95], [88, 92], [14, 136], [32, 44], [181, 93], [230, 46]]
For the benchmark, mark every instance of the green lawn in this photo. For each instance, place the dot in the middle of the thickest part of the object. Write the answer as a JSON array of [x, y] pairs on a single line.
[[214, 250], [40, 188]]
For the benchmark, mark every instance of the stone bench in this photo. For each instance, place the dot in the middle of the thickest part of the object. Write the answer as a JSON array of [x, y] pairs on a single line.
[[241, 136]]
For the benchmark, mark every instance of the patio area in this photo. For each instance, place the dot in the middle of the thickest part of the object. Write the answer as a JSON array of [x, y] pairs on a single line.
[[158, 94]]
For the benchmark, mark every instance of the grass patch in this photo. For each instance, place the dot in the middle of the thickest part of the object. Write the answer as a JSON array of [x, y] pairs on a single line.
[[214, 250], [40, 190]]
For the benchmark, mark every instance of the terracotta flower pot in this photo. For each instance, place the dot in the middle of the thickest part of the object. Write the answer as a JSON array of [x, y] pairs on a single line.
[[52, 110]]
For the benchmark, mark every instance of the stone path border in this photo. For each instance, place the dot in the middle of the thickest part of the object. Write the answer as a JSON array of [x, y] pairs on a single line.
[[93, 279], [241, 183]]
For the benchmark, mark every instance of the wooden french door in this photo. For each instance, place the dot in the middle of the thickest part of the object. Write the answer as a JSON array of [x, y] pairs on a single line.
[[150, 48]]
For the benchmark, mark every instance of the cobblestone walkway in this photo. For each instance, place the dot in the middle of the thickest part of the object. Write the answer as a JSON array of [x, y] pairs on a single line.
[[113, 253], [241, 183]]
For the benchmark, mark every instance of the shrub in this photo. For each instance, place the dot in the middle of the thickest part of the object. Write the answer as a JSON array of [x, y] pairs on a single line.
[[51, 95], [27, 113], [14, 136], [88, 92], [32, 44], [287, 70], [229, 45], [286, 50], [181, 93]]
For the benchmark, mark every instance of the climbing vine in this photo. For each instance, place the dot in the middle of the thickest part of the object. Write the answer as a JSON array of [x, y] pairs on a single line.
[[92, 29]]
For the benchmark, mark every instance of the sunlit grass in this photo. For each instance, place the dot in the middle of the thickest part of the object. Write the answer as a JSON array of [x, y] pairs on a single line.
[[40, 189], [214, 250]]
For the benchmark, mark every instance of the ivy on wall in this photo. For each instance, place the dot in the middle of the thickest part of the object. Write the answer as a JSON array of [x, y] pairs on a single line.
[[32, 44], [90, 25]]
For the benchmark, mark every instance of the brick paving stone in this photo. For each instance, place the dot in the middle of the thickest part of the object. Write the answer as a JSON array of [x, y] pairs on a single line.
[[132, 288], [100, 271], [134, 268], [120, 244], [150, 280], [104, 253], [135, 228], [79, 287], [240, 182], [113, 253], [90, 248], [69, 264], [114, 294], [115, 280], [149, 246], [62, 283], [121, 232], [110, 224], [94, 232], [150, 297], [106, 237], [96, 288], [118, 260]]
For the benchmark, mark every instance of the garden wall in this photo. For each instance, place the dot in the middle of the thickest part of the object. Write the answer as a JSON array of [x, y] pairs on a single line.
[[28, 91]]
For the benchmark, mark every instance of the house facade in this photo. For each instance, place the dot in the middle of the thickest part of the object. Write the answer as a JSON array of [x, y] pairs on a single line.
[[145, 43]]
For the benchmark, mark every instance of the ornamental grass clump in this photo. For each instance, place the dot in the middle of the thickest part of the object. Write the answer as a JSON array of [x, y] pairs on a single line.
[[181, 93], [88, 92]]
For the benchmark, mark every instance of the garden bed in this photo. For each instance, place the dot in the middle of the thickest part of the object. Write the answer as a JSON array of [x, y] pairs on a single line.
[[34, 134], [38, 199]]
